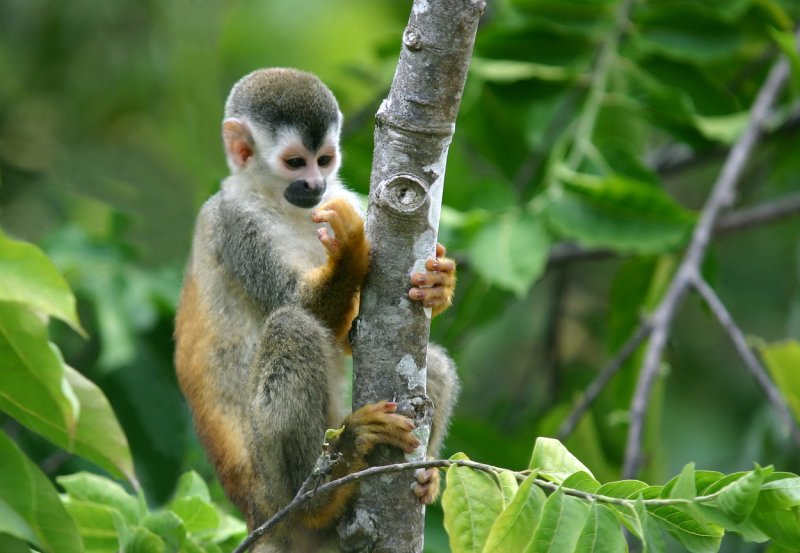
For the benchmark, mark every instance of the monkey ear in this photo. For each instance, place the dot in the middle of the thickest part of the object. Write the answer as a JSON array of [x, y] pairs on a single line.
[[239, 143]]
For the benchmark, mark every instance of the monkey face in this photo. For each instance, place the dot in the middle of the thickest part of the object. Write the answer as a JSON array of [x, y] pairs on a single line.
[[306, 171]]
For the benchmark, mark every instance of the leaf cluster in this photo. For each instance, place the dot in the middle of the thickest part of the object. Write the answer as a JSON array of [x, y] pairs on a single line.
[[560, 507]]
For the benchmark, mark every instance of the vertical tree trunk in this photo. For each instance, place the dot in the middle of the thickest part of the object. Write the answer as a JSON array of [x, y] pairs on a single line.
[[414, 127]]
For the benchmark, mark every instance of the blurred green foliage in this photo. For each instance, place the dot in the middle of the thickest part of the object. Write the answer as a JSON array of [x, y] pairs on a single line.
[[109, 143]]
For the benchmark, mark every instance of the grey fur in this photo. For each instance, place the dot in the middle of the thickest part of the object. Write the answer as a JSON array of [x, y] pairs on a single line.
[[278, 98]]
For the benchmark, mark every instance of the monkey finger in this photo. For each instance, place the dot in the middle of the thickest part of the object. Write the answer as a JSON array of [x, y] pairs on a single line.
[[441, 265], [429, 296], [330, 243], [441, 251], [430, 279], [426, 488], [321, 215]]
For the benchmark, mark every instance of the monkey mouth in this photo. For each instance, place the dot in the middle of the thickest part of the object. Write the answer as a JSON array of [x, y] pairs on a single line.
[[299, 194]]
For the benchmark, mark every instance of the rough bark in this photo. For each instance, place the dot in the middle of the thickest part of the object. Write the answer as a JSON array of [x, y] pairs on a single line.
[[414, 127]]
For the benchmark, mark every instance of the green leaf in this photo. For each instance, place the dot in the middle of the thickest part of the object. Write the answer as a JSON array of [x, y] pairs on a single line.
[[722, 128], [513, 529], [471, 502], [28, 277], [781, 526], [95, 523], [786, 41], [738, 498], [142, 540], [508, 485], [554, 461], [197, 514], [783, 493], [581, 481], [12, 523], [511, 252], [601, 533], [10, 544], [97, 489], [563, 518], [623, 489], [33, 387], [684, 486], [191, 484], [652, 536], [782, 360], [27, 492], [696, 535], [617, 213], [168, 527], [99, 436], [510, 71]]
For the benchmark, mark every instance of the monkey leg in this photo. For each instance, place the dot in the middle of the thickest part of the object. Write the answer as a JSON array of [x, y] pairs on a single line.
[[289, 382], [442, 388]]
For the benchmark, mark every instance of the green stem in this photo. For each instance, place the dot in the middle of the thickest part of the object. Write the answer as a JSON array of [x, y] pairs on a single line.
[[584, 129]]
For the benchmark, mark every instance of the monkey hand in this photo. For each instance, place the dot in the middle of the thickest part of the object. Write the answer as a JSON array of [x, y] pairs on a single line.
[[435, 288], [426, 488], [347, 226], [373, 424]]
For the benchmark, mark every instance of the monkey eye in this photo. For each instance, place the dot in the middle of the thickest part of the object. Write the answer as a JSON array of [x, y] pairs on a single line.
[[296, 162], [324, 160]]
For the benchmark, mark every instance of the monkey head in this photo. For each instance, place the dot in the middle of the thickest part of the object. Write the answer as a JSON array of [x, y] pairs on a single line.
[[281, 134]]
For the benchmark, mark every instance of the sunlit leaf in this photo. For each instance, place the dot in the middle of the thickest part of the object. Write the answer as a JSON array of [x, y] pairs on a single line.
[[99, 437], [601, 533], [684, 486], [738, 499], [563, 517], [168, 527], [197, 514], [95, 524], [554, 461], [697, 536], [26, 491], [28, 277], [581, 481], [508, 485], [513, 529], [33, 387], [782, 360], [471, 502], [509, 71], [97, 489]]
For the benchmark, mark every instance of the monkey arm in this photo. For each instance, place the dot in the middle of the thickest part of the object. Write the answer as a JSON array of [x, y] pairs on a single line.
[[331, 291]]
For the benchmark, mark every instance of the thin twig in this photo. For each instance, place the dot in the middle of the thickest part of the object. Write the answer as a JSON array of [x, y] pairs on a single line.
[[750, 360], [722, 195], [371, 472], [757, 215], [601, 381]]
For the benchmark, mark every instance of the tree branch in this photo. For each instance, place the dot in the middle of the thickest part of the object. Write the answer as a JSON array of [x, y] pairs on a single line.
[[750, 360], [722, 195], [413, 130]]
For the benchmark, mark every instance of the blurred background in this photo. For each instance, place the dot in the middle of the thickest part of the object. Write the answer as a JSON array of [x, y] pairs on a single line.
[[110, 141]]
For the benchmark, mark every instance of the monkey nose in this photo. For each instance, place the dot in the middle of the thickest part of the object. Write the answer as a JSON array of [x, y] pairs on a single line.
[[315, 186]]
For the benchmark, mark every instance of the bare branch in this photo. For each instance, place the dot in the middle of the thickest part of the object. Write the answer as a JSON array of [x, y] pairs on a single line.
[[601, 381], [750, 360], [722, 195], [757, 215]]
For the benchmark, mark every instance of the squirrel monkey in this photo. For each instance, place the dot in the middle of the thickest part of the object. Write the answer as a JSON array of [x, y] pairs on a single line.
[[269, 295]]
